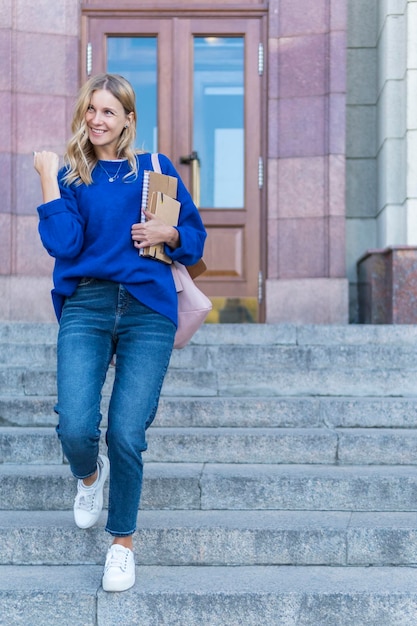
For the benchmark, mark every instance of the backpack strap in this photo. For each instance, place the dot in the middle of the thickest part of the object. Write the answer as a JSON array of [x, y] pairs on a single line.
[[155, 162]]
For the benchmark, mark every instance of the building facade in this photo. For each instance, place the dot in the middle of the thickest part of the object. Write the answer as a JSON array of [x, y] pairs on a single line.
[[381, 149], [292, 121]]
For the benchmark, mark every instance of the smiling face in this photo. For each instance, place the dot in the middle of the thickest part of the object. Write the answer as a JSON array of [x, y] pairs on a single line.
[[106, 120]]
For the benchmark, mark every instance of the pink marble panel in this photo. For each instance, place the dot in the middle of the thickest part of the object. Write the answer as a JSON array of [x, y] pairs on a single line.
[[6, 19], [273, 112], [6, 129], [337, 124], [72, 18], [6, 59], [28, 195], [302, 66], [44, 16], [337, 185], [273, 167], [72, 64], [301, 187], [273, 60], [307, 301], [273, 18], [29, 299], [5, 243], [388, 286], [273, 247], [338, 14], [301, 248], [301, 17], [404, 285], [69, 112], [31, 257], [337, 247], [301, 128], [338, 65], [5, 186], [372, 288], [32, 51], [41, 123]]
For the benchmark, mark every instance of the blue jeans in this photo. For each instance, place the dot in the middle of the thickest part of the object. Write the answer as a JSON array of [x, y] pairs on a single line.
[[99, 320]]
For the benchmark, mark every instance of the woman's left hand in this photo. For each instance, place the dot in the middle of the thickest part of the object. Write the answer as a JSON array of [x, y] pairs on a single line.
[[154, 231]]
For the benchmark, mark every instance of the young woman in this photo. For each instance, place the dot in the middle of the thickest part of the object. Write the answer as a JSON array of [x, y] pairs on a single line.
[[110, 301]]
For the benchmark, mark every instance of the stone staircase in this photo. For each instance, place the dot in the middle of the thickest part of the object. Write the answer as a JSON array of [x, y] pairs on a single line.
[[280, 485]]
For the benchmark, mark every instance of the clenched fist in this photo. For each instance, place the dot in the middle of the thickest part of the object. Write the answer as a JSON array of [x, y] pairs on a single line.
[[47, 165]]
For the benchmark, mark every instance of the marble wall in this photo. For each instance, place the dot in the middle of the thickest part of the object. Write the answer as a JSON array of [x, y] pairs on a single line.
[[306, 162], [39, 48], [381, 204], [306, 96]]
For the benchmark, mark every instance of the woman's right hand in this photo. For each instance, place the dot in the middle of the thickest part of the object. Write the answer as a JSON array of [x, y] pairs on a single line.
[[47, 165]]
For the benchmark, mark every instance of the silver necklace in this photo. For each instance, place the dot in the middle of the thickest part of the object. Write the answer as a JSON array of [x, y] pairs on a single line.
[[115, 176]]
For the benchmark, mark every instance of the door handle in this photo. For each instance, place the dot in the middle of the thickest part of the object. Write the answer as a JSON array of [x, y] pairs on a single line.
[[193, 160]]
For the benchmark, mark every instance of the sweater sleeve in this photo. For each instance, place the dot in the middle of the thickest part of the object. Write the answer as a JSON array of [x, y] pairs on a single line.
[[190, 226], [61, 226]]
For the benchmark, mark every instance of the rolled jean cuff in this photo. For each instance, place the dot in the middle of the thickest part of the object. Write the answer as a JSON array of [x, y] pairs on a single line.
[[113, 534]]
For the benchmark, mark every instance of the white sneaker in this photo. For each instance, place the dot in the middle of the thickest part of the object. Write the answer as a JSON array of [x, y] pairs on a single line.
[[89, 500], [119, 570]]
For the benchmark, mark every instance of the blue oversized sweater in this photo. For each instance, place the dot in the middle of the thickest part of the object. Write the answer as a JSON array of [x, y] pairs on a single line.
[[88, 232]]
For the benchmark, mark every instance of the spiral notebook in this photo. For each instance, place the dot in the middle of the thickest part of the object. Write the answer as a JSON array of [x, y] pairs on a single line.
[[153, 182], [158, 197]]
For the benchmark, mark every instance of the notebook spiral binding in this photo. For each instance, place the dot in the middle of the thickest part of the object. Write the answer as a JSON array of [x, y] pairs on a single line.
[[145, 192]]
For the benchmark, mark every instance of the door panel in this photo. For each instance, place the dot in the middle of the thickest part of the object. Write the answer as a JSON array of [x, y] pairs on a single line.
[[136, 59], [218, 124], [100, 30], [199, 101]]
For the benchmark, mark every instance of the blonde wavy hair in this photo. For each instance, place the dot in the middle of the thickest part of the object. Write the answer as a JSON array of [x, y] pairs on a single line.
[[80, 158]]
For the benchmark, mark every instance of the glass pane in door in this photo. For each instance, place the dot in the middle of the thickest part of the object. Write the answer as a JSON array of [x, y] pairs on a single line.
[[218, 132], [135, 58]]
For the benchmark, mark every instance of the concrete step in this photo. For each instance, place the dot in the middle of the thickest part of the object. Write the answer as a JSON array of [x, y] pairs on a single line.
[[232, 538], [38, 381], [319, 382], [30, 445], [377, 446], [227, 360], [248, 334], [28, 333], [30, 355], [191, 445], [302, 357], [211, 596], [236, 445], [27, 411], [229, 487], [246, 357], [244, 411]]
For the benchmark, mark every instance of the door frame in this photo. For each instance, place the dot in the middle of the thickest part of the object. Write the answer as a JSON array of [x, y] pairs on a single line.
[[125, 15]]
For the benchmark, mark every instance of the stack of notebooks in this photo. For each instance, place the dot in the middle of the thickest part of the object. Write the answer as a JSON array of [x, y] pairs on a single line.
[[158, 197]]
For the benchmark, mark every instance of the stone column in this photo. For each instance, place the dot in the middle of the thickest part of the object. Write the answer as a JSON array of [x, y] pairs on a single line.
[[40, 51], [306, 280], [396, 235]]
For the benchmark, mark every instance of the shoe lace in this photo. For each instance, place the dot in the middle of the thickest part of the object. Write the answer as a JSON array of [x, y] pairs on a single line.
[[117, 558], [85, 501]]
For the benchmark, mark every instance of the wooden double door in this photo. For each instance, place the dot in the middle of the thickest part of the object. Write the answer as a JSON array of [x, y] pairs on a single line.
[[198, 83]]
